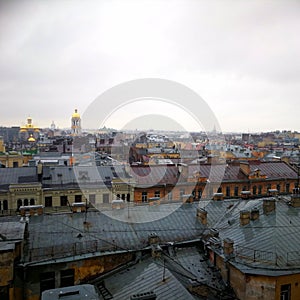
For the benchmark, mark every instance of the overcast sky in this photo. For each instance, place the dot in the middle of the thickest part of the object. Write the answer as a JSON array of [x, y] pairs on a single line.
[[241, 57]]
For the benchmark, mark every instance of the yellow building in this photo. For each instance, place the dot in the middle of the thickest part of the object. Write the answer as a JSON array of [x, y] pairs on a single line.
[[29, 132]]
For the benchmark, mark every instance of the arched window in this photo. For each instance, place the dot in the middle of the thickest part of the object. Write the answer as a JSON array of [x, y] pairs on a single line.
[[19, 203], [32, 201], [25, 202], [5, 205], [259, 189]]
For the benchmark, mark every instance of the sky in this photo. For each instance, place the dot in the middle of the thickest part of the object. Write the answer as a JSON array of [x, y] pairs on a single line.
[[240, 57]]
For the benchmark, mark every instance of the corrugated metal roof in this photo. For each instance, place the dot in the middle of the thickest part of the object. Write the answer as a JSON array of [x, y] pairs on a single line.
[[272, 240], [145, 277], [58, 234]]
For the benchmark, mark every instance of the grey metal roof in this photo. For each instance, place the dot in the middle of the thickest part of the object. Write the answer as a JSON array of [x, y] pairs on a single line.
[[271, 241], [12, 231], [145, 277], [12, 175], [67, 235]]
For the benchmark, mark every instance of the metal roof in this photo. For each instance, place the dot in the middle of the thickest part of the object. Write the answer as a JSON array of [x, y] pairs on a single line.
[[54, 236], [145, 277], [271, 241]]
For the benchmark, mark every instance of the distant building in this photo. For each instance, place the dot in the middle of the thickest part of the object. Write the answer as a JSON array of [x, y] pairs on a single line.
[[75, 124], [29, 132]]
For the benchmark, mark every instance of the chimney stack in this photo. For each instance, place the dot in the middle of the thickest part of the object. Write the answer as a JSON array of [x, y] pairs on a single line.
[[245, 168], [269, 205], [244, 217], [202, 215], [228, 246]]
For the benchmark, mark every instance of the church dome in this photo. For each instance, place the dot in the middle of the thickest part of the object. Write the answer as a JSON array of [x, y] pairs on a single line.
[[76, 114]]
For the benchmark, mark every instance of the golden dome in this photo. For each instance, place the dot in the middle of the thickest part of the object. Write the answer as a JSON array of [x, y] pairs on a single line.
[[31, 138], [76, 114]]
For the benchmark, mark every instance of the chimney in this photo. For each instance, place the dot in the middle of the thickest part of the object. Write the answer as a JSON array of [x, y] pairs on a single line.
[[269, 205], [245, 168], [202, 215], [228, 246], [254, 215], [153, 238], [39, 170], [244, 217]]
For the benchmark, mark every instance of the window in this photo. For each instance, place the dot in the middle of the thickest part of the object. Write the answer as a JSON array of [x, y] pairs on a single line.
[[26, 202], [254, 190], [4, 292], [194, 194], [259, 189], [123, 197], [278, 188], [285, 292], [19, 203], [67, 278], [227, 191], [5, 206], [32, 201], [170, 196], [144, 196], [128, 198], [105, 198], [92, 198], [78, 198], [287, 188], [47, 281], [219, 190], [244, 188], [48, 201], [181, 193], [15, 164], [63, 200], [236, 191], [157, 194], [199, 193]]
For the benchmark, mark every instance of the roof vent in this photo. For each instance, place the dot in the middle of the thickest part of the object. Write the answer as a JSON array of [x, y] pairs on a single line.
[[144, 296]]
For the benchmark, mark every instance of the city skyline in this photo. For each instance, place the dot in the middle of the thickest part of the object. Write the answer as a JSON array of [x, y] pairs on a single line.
[[240, 57]]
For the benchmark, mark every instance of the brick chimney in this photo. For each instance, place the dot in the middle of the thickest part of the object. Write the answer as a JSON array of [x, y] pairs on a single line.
[[244, 217], [202, 215], [269, 205], [254, 215], [245, 168], [228, 246]]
